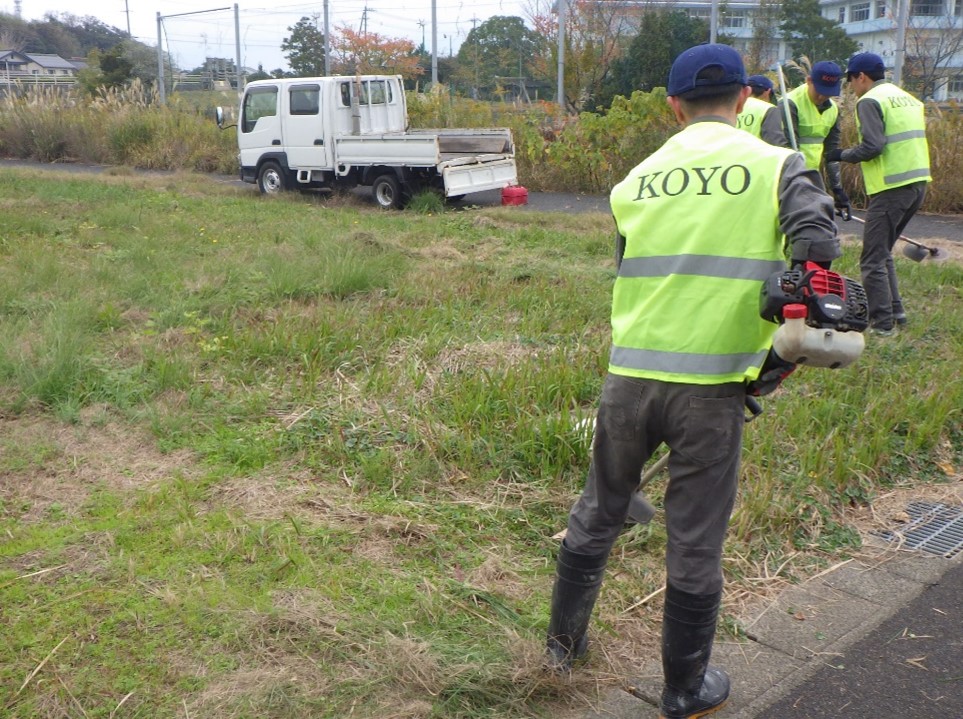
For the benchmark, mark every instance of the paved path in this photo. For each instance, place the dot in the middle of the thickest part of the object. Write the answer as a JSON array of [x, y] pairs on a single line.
[[878, 638], [922, 227]]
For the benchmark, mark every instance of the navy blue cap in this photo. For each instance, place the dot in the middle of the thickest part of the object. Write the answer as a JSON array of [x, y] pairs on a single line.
[[684, 75], [865, 62], [760, 81], [827, 78]]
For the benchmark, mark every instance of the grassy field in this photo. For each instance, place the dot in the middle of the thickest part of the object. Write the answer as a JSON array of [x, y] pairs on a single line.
[[288, 458]]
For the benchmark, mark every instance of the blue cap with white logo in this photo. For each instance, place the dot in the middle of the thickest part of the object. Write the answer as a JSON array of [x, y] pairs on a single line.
[[684, 77]]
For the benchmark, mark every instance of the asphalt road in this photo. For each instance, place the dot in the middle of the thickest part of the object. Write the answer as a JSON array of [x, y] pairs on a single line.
[[908, 667], [923, 226]]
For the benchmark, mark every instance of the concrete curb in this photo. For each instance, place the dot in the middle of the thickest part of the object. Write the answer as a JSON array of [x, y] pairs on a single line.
[[805, 628]]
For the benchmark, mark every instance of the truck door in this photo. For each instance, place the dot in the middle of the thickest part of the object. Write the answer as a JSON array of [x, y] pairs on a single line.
[[259, 130], [304, 128]]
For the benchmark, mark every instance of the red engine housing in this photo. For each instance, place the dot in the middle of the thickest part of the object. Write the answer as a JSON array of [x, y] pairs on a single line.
[[832, 300]]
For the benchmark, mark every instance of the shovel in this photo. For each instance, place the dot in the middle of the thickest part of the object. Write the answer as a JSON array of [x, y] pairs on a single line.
[[916, 251]]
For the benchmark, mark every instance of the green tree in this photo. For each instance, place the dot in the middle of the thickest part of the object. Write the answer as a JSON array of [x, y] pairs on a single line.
[[502, 46], [763, 47], [663, 34], [809, 34], [259, 74], [304, 48], [86, 33]]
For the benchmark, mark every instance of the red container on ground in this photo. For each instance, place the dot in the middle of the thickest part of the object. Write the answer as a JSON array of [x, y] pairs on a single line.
[[514, 195]]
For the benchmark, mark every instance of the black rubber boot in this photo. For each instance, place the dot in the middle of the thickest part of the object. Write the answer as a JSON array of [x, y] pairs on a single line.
[[692, 687], [577, 583]]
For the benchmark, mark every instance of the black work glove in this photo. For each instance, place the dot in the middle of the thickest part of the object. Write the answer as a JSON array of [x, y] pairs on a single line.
[[774, 370], [834, 155], [841, 201]]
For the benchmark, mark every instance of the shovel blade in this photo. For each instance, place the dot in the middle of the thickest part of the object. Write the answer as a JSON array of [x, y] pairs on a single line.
[[641, 510], [915, 252]]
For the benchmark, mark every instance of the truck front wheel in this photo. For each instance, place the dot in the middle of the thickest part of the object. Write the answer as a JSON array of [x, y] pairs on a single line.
[[387, 192], [271, 180]]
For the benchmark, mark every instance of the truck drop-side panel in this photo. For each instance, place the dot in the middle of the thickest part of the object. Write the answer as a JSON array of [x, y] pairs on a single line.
[[463, 178]]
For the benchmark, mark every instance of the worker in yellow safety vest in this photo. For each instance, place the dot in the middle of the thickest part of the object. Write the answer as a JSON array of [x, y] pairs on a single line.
[[815, 123], [700, 227], [894, 157], [760, 116]]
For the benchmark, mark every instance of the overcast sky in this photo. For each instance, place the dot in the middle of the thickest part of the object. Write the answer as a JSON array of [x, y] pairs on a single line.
[[263, 27]]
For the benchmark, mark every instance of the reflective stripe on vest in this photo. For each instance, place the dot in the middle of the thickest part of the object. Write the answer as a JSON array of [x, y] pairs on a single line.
[[734, 268], [905, 158], [752, 115], [814, 126], [700, 218]]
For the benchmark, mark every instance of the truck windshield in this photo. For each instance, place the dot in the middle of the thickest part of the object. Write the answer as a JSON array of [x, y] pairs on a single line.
[[258, 102]]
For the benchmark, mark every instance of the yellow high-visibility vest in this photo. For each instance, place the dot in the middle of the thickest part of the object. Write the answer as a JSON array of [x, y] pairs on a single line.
[[906, 157], [752, 115], [814, 125], [700, 219]]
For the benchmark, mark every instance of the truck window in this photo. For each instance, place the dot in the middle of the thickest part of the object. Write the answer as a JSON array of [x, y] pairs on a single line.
[[369, 94], [258, 102], [377, 92], [304, 99]]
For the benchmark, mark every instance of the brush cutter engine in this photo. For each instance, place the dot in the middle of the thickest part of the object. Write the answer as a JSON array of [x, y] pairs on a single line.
[[821, 314], [832, 301]]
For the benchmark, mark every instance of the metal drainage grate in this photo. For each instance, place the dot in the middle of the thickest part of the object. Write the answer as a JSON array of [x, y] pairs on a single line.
[[933, 527]]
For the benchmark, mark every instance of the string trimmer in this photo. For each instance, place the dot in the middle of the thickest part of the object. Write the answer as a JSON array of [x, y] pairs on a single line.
[[916, 251]]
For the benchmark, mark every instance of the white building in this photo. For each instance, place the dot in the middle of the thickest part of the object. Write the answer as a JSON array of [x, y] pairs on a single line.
[[934, 33], [934, 38]]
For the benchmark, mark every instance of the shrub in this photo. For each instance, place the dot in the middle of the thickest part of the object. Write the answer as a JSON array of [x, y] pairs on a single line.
[[588, 153]]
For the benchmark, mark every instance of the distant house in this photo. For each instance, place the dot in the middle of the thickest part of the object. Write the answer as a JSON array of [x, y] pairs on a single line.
[[16, 65]]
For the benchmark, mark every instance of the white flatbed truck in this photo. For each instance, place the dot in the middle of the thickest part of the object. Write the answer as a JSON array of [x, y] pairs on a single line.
[[339, 132]]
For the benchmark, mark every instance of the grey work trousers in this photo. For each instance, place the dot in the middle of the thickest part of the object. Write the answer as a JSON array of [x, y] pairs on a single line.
[[702, 426], [887, 216]]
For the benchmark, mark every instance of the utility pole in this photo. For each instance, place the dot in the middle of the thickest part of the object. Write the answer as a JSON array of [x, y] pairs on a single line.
[[434, 42], [327, 46], [127, 11], [475, 63], [714, 21], [237, 50], [901, 22], [560, 92], [364, 20], [161, 87], [421, 24]]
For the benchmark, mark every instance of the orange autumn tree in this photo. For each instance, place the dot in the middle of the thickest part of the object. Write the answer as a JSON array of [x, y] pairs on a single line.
[[371, 53]]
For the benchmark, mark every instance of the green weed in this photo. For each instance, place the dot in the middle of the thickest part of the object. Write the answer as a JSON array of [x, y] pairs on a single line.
[[283, 458]]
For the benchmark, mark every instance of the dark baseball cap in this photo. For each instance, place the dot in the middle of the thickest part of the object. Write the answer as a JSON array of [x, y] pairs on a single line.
[[827, 78], [865, 62], [760, 81], [684, 75]]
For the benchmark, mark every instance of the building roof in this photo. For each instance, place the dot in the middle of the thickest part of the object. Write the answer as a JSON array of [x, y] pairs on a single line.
[[51, 62], [13, 56]]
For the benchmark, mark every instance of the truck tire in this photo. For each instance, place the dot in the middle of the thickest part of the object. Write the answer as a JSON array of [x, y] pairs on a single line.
[[271, 179], [387, 192]]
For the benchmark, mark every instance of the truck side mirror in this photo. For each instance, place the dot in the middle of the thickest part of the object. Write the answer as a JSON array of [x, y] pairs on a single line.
[[220, 117]]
